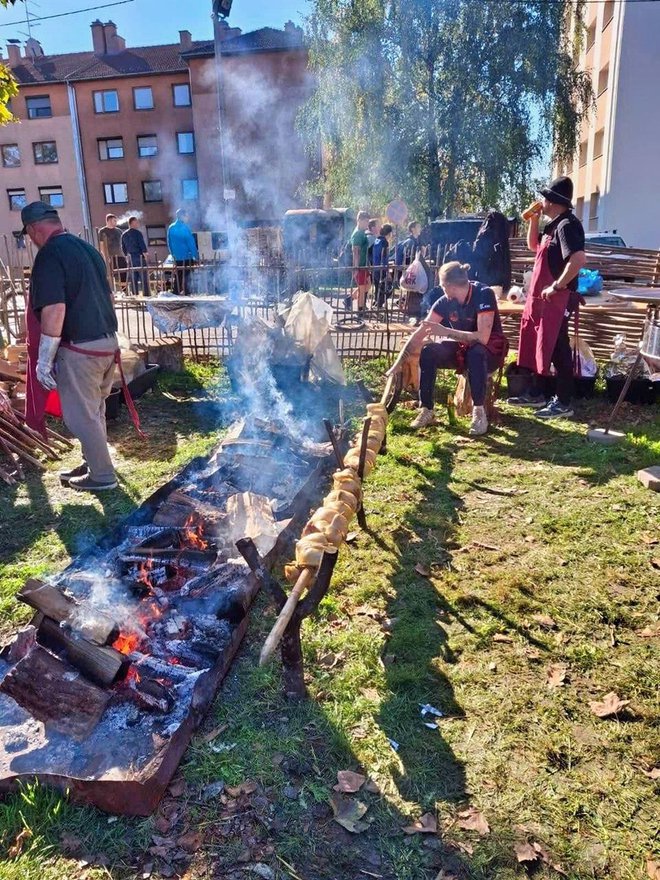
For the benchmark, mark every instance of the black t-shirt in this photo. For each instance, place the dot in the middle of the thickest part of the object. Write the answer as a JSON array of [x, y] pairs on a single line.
[[567, 235], [463, 316], [111, 236], [70, 271]]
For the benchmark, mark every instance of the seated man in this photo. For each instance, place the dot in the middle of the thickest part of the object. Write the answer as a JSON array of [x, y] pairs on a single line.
[[468, 322]]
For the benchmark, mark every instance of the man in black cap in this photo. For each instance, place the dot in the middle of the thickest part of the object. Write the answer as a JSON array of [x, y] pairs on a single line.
[[552, 298], [75, 336]]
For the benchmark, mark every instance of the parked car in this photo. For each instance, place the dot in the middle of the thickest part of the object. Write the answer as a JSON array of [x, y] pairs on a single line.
[[608, 239]]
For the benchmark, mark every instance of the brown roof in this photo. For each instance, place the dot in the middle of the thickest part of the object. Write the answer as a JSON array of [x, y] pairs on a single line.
[[87, 65], [263, 40]]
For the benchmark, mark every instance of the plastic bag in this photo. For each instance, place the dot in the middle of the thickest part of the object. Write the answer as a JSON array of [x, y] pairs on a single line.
[[586, 365], [307, 324], [590, 282], [415, 277]]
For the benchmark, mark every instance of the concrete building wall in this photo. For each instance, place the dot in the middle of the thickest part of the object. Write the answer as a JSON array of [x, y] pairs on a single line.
[[169, 167], [615, 166], [30, 175], [631, 199]]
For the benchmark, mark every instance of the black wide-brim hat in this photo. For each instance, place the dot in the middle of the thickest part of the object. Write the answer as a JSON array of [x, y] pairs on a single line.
[[559, 191]]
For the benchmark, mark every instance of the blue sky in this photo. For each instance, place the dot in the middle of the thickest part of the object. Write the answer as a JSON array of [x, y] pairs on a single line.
[[140, 22]]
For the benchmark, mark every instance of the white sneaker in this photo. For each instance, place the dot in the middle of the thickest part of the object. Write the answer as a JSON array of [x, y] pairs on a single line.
[[424, 418], [479, 424]]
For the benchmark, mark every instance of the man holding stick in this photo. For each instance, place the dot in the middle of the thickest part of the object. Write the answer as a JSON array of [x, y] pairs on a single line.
[[72, 316]]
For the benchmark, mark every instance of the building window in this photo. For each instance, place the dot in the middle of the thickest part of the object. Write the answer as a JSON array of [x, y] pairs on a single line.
[[111, 148], [152, 190], [599, 140], [143, 98], [591, 36], [579, 208], [185, 141], [189, 189], [52, 195], [106, 102], [11, 156], [115, 193], [181, 95], [147, 145], [17, 199], [45, 152], [603, 79], [608, 12], [157, 236], [593, 211], [38, 107], [584, 147]]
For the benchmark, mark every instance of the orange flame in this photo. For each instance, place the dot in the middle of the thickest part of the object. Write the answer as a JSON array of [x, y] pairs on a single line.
[[126, 643], [192, 533], [133, 675], [143, 573]]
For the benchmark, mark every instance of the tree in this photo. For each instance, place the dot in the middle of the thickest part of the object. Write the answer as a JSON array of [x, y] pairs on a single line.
[[448, 103], [8, 86]]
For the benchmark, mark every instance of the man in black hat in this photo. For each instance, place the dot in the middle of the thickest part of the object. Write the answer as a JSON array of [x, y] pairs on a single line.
[[73, 339], [552, 298]]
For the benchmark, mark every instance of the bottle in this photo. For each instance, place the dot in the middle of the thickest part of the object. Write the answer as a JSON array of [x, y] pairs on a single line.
[[451, 410], [534, 208]]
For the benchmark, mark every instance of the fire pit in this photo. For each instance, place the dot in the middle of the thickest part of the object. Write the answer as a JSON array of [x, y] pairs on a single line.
[[102, 692]]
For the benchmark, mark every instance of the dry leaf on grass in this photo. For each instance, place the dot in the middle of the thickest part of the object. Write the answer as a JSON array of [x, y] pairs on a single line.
[[349, 782], [328, 660], [503, 638], [16, 848], [244, 788], [650, 539], [544, 620], [650, 632], [372, 786], [525, 852], [426, 825], [191, 841], [653, 869], [423, 569], [464, 847], [348, 813], [654, 773], [178, 787], [611, 704], [534, 852], [473, 820], [556, 675]]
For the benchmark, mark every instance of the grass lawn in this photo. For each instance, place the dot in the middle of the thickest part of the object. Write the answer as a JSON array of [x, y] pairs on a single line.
[[508, 581]]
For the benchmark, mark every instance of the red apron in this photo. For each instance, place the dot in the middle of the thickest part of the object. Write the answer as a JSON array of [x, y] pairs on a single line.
[[541, 318], [38, 401]]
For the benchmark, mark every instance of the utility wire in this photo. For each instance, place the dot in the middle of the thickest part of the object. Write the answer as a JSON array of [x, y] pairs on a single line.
[[37, 18]]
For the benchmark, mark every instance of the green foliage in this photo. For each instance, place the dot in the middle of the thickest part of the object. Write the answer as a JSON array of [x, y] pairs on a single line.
[[8, 86], [449, 105]]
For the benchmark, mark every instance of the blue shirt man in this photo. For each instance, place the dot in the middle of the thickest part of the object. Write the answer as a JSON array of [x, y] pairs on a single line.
[[180, 240]]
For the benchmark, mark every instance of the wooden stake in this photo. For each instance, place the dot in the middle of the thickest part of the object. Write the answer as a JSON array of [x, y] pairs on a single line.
[[275, 635]]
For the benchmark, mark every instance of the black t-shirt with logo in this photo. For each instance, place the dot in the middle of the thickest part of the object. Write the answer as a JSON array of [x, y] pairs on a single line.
[[70, 271], [567, 234], [463, 316]]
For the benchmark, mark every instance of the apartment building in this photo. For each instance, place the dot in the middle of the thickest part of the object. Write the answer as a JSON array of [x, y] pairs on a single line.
[[615, 169], [136, 131]]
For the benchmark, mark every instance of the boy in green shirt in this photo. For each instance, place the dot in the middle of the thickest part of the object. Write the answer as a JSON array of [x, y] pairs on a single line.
[[360, 246]]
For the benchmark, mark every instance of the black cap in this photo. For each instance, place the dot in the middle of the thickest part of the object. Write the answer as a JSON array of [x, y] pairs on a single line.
[[36, 211], [559, 191]]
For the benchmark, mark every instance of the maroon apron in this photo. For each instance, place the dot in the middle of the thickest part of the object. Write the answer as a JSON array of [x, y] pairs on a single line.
[[541, 318]]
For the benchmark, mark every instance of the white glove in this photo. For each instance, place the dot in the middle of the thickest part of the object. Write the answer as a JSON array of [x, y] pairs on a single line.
[[48, 346]]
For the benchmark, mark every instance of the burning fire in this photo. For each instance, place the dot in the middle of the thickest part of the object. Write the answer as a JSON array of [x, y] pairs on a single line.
[[192, 534], [126, 643], [133, 676], [143, 573]]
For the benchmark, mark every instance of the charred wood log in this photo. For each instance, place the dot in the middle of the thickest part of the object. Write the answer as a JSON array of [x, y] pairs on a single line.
[[52, 692], [100, 664], [95, 626]]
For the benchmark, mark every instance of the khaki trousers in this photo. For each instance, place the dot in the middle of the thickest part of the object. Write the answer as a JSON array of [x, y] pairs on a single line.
[[83, 383]]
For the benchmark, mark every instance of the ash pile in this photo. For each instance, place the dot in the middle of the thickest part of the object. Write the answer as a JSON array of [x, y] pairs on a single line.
[[102, 691]]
